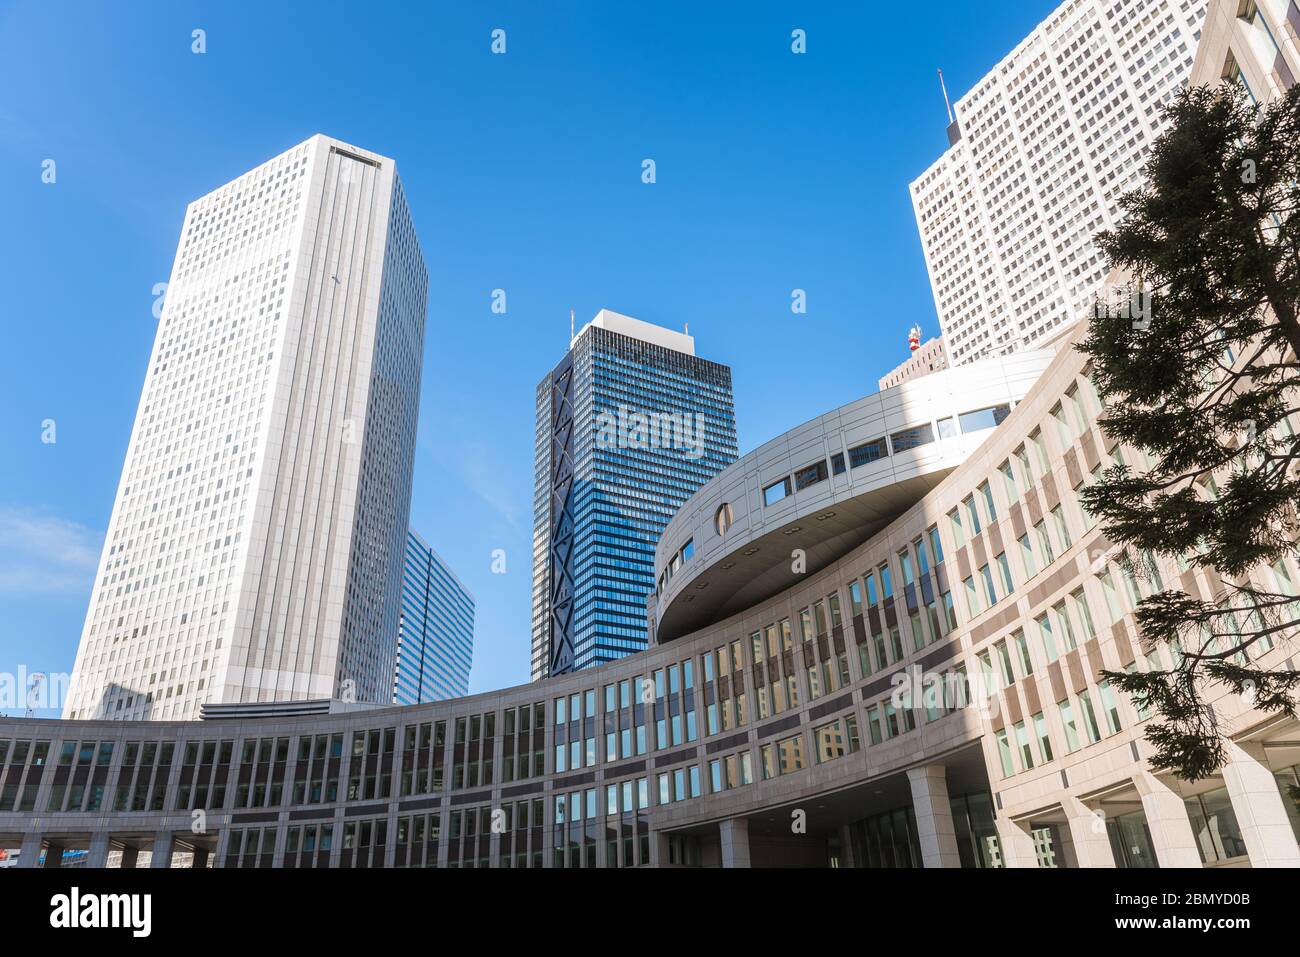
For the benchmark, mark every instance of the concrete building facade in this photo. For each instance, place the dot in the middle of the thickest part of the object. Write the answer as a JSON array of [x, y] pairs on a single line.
[[255, 547], [927, 692], [812, 701], [1041, 150]]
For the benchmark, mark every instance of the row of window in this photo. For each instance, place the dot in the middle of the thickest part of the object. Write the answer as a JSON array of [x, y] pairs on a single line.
[[864, 453]]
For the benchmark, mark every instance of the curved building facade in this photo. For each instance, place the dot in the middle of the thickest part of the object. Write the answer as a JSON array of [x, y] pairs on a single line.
[[924, 692]]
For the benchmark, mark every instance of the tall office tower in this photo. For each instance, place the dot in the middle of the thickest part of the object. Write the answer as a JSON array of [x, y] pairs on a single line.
[[629, 424], [435, 633], [1040, 152], [256, 545]]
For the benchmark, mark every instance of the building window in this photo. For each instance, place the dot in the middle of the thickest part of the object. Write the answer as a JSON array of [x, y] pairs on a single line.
[[1004, 752], [981, 419], [1218, 835], [987, 494], [936, 546], [1109, 707], [1062, 529], [1008, 583], [810, 475], [776, 491], [1022, 651], [1067, 722], [723, 518], [1009, 481], [1027, 556], [1089, 718], [1022, 742], [1044, 739], [912, 438], [867, 452]]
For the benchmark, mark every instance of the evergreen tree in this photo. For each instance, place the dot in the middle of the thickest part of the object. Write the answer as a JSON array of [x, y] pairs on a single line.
[[1198, 371]]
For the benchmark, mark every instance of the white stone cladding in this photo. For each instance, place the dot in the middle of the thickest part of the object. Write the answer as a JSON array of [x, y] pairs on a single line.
[[255, 547]]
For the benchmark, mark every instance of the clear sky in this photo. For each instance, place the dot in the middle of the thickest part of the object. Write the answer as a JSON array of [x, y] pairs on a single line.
[[775, 171]]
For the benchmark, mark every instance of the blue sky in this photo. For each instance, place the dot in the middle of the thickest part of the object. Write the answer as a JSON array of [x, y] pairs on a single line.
[[775, 171]]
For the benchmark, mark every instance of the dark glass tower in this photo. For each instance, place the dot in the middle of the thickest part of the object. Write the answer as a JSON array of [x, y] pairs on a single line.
[[435, 631], [629, 424]]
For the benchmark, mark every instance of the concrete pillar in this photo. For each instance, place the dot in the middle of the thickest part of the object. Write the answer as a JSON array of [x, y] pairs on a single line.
[[1016, 845], [1088, 838], [846, 847], [162, 850], [1167, 820], [933, 813], [223, 842], [201, 857], [1257, 802], [97, 853], [659, 849], [734, 835], [53, 854], [130, 856], [30, 854], [390, 846]]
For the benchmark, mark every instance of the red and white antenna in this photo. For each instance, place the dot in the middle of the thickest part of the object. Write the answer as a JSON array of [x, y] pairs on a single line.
[[914, 338]]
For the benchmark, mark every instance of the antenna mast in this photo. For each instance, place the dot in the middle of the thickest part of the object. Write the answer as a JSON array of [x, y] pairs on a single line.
[[33, 694], [946, 101]]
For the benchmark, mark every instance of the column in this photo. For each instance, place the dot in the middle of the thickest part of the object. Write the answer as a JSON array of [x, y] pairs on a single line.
[[846, 847], [1016, 845], [390, 848], [659, 849], [1091, 843], [282, 841], [201, 857], [130, 856], [30, 855], [1257, 802], [223, 845], [97, 853], [162, 850], [933, 813], [1167, 820], [53, 854], [734, 835]]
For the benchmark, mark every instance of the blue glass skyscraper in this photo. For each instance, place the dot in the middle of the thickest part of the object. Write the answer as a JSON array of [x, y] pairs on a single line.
[[435, 633], [629, 424]]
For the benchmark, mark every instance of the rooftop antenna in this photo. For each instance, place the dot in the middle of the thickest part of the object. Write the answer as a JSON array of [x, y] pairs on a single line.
[[570, 324], [946, 101], [33, 694], [686, 328]]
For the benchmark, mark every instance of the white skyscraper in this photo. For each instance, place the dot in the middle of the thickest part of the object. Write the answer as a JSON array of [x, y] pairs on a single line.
[[256, 545], [1041, 151]]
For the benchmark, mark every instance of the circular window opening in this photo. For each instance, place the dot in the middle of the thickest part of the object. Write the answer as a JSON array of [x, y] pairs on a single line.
[[723, 518]]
